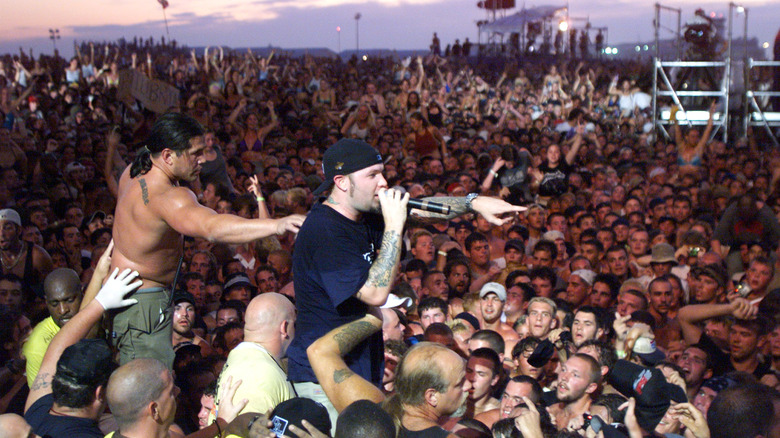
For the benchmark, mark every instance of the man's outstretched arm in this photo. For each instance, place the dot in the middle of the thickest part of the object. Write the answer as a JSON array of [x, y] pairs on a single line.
[[340, 384], [182, 212], [490, 208]]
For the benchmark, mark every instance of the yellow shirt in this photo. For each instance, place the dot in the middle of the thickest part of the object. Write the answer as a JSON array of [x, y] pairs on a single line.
[[263, 382], [36, 346]]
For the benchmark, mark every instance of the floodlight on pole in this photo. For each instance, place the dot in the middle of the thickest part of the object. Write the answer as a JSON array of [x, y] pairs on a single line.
[[54, 35], [357, 32], [563, 26]]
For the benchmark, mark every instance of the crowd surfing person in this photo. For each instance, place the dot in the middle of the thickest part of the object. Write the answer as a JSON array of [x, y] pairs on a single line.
[[590, 278]]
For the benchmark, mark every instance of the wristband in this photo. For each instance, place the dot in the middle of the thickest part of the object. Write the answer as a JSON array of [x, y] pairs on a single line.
[[260, 199], [441, 253], [469, 198], [219, 429], [495, 174]]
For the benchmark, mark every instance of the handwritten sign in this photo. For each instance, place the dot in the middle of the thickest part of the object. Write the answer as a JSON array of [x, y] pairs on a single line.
[[153, 94]]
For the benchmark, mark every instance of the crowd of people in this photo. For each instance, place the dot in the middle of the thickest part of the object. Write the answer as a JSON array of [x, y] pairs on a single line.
[[244, 264]]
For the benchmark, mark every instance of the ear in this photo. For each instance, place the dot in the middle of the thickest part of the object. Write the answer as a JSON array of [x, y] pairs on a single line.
[[100, 394], [591, 388], [432, 397], [167, 156], [707, 374], [154, 411], [341, 182], [284, 328], [599, 333]]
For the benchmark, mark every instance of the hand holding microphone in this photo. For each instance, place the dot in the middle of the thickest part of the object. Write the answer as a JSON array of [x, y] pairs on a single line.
[[424, 205]]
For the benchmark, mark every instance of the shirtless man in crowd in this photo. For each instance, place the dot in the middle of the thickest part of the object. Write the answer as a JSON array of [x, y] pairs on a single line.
[[153, 214]]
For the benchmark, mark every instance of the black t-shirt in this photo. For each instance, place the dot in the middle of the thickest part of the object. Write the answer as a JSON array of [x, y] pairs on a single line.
[[330, 264], [515, 179], [431, 432], [57, 426], [554, 179]]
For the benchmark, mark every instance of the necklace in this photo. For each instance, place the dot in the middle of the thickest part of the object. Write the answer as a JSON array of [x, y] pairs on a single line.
[[6, 267]]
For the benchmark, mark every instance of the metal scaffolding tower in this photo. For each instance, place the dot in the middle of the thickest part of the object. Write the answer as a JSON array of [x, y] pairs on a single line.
[[755, 112], [719, 73]]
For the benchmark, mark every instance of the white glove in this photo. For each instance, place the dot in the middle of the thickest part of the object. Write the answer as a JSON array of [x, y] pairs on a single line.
[[112, 294]]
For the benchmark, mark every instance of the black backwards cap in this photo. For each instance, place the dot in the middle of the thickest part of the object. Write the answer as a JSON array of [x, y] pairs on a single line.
[[87, 362], [344, 157], [649, 387]]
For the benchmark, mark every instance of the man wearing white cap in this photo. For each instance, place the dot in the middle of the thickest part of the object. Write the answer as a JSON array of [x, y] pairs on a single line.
[[578, 289], [492, 297], [28, 261]]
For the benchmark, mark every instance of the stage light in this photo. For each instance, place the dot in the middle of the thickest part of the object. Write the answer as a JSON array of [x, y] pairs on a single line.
[[740, 9], [563, 26], [365, 58], [765, 45]]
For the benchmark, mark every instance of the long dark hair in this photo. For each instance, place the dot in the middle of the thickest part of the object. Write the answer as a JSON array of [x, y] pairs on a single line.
[[173, 131]]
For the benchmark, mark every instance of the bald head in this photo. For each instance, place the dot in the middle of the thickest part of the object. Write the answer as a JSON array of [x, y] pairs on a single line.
[[62, 289], [426, 365], [14, 426], [270, 316], [133, 386], [61, 280]]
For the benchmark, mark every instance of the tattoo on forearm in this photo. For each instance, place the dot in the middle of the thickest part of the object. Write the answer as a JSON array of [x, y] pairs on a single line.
[[342, 375], [42, 381], [144, 191], [352, 334], [458, 206], [381, 272]]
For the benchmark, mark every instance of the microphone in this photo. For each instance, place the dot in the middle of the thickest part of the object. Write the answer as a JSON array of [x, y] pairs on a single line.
[[433, 207]]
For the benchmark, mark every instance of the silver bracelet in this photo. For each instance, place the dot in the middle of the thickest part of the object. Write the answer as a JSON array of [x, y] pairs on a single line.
[[470, 197]]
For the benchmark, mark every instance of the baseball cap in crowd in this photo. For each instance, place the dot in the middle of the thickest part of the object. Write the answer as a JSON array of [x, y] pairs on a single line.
[[87, 362], [620, 221], [394, 300], [493, 288], [183, 296], [552, 235], [714, 271], [74, 165], [10, 215], [586, 275], [461, 225], [471, 319], [88, 220], [649, 387], [236, 280], [344, 157], [648, 351], [541, 354], [662, 253], [294, 411], [516, 244]]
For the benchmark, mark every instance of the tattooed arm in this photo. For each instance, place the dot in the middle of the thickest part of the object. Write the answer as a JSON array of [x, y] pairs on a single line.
[[381, 274], [111, 296], [489, 208], [341, 385]]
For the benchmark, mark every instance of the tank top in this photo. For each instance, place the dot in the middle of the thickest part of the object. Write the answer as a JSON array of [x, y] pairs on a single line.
[[425, 143]]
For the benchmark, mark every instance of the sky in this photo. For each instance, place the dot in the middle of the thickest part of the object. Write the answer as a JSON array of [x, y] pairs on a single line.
[[393, 24]]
